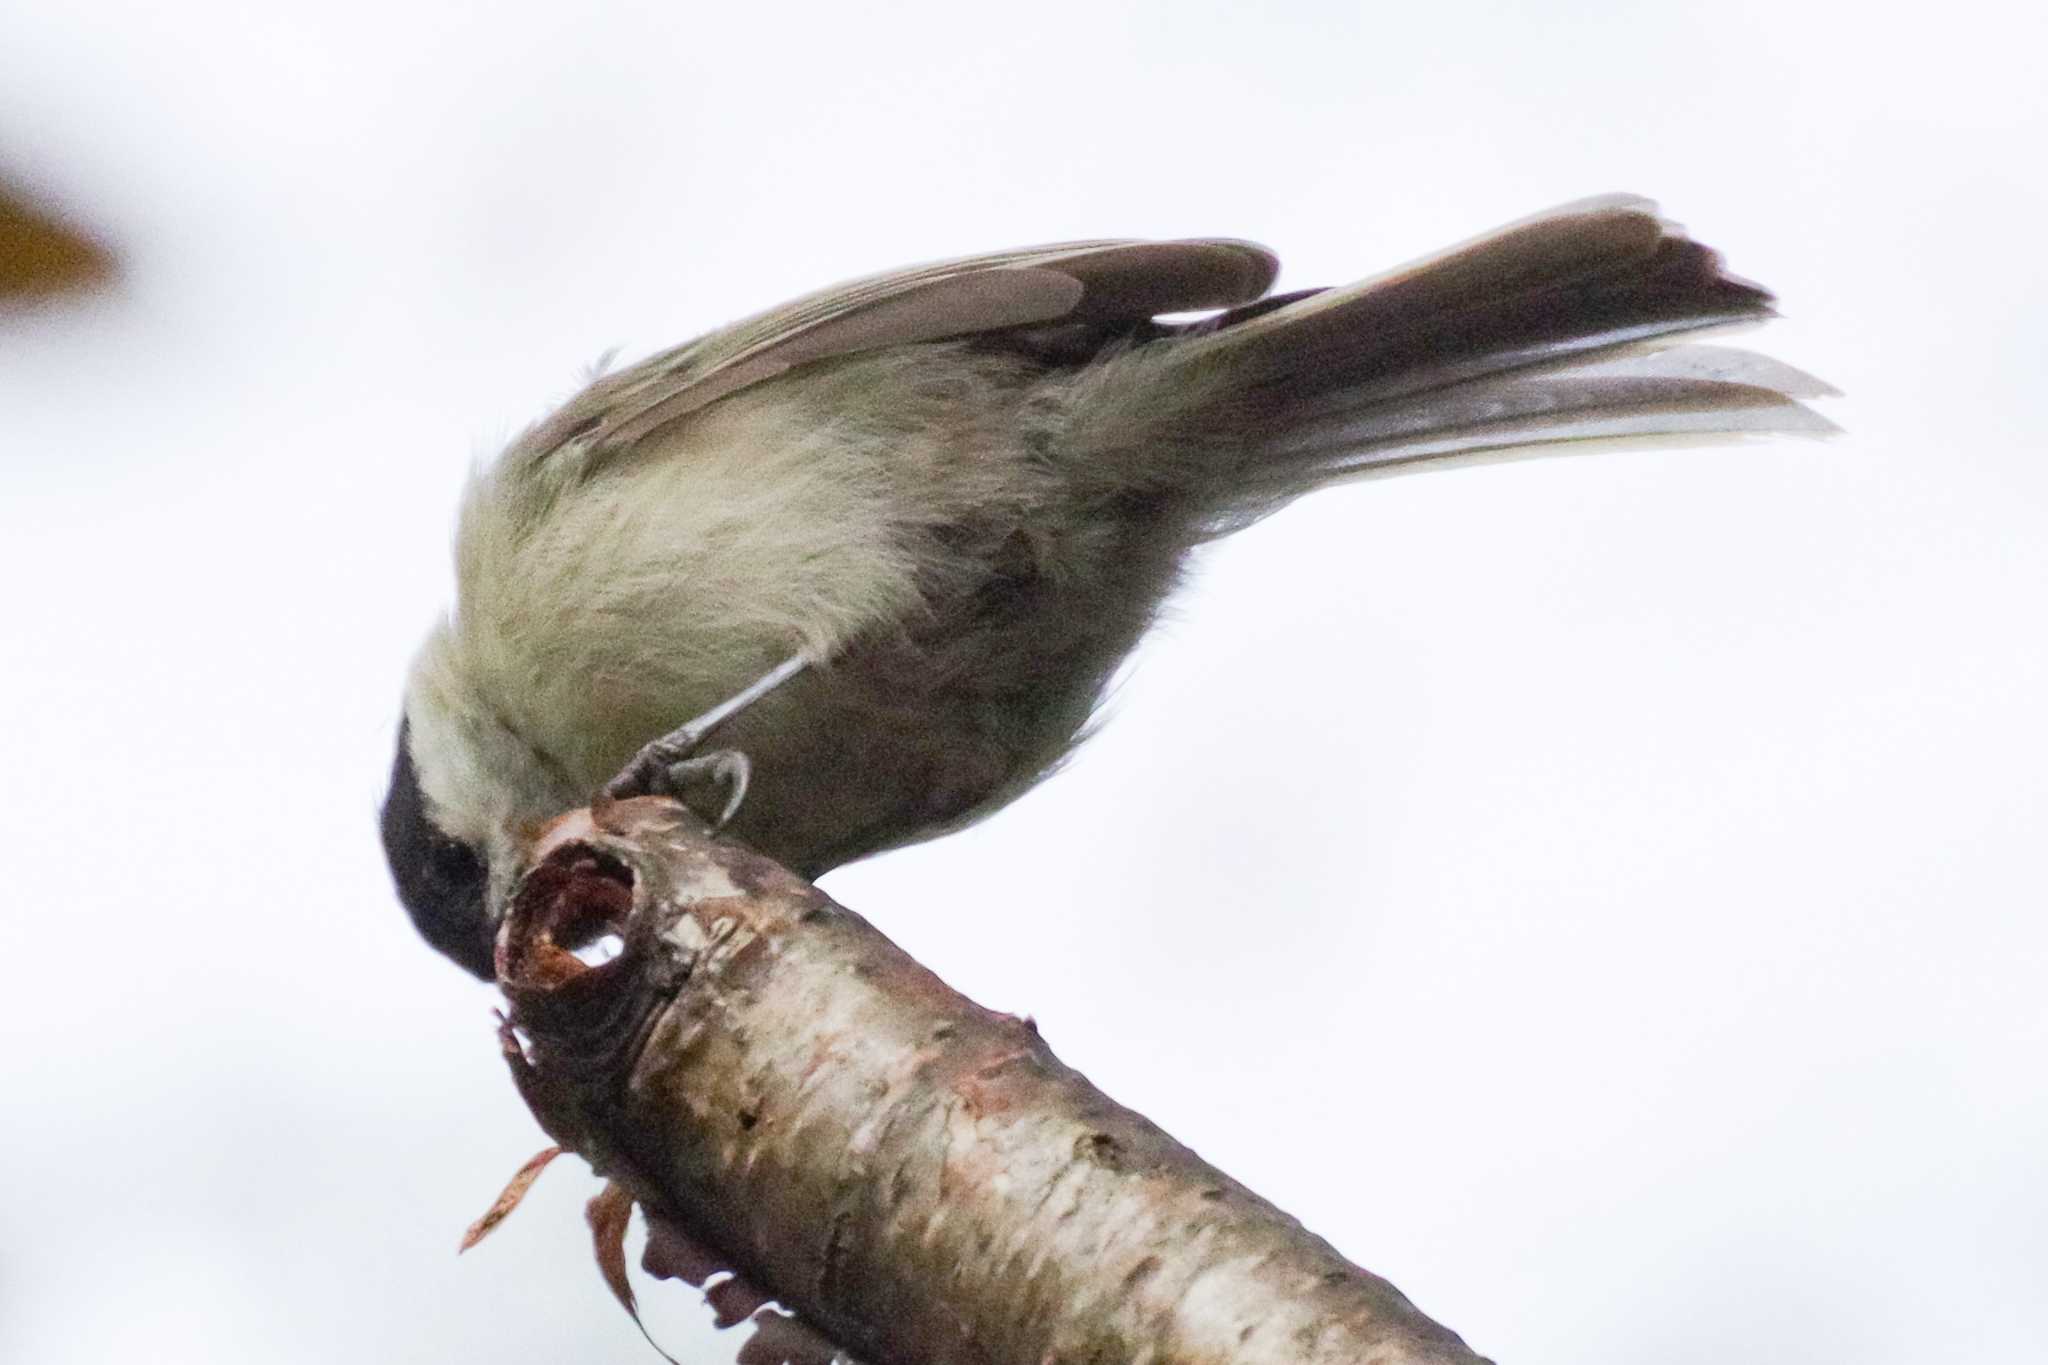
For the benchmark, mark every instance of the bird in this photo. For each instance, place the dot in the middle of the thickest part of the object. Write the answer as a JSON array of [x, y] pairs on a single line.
[[889, 543]]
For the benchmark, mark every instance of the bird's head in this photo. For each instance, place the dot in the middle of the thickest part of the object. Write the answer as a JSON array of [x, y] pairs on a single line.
[[443, 880]]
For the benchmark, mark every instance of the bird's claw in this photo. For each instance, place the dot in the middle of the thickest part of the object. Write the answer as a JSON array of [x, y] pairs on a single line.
[[664, 769], [728, 767], [665, 766]]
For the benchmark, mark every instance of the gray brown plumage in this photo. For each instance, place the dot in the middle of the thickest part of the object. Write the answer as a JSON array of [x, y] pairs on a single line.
[[967, 487]]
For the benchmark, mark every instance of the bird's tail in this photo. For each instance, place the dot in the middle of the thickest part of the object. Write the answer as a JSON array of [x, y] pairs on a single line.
[[1562, 329]]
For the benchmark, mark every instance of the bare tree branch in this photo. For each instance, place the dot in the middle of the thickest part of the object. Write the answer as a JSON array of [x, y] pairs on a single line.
[[919, 1178]]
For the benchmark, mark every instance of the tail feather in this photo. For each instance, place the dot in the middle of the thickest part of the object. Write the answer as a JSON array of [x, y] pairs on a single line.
[[1700, 390], [1588, 276], [1561, 328]]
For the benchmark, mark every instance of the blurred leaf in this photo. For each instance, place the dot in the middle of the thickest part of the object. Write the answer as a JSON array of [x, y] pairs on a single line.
[[41, 256]]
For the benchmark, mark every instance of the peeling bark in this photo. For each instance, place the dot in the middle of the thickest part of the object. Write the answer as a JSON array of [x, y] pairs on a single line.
[[919, 1178]]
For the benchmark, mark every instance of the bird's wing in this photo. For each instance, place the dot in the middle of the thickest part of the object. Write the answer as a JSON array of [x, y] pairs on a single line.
[[1071, 282]]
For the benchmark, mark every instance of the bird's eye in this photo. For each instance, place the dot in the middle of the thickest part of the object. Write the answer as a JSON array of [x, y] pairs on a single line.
[[452, 863]]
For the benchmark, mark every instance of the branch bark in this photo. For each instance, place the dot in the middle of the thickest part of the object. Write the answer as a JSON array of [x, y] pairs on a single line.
[[919, 1178]]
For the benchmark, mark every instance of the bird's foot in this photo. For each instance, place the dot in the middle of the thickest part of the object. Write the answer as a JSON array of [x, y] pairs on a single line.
[[671, 764], [669, 768]]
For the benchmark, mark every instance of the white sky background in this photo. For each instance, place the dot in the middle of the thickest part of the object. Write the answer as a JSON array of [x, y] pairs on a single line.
[[1603, 895]]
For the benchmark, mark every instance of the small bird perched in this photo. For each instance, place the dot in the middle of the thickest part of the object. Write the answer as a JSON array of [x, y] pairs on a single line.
[[892, 539]]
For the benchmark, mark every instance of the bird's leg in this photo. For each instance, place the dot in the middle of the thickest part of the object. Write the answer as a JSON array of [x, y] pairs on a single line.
[[668, 763]]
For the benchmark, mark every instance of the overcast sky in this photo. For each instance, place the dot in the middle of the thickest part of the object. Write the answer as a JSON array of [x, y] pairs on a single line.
[[1604, 895]]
